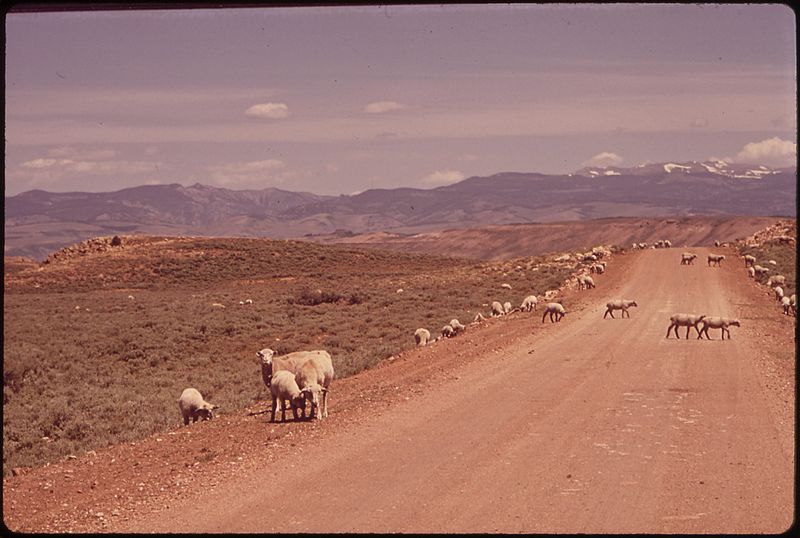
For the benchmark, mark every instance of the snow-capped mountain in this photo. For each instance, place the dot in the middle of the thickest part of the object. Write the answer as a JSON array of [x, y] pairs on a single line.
[[695, 168]]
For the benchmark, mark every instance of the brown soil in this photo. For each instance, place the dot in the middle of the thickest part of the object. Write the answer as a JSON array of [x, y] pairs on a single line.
[[587, 425]]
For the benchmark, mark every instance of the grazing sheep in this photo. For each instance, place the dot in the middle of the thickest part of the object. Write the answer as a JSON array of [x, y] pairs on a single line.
[[778, 293], [684, 320], [715, 259], [667, 243], [291, 361], [751, 272], [793, 304], [716, 243], [248, 301], [776, 280], [284, 387], [598, 268], [687, 258], [529, 303], [717, 323], [507, 308], [497, 309], [506, 286], [619, 304], [316, 372], [457, 326], [130, 297], [218, 305], [478, 318], [786, 303], [772, 262], [749, 260], [554, 309], [192, 405], [760, 271], [422, 336], [448, 332], [585, 282], [642, 245]]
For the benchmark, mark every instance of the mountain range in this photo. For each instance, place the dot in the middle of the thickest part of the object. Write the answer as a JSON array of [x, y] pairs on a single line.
[[38, 222]]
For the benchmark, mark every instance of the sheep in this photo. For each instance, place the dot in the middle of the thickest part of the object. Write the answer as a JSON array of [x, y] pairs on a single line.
[[749, 260], [248, 301], [457, 326], [716, 243], [130, 297], [218, 305], [314, 378], [284, 387], [497, 309], [667, 243], [422, 336], [793, 304], [291, 361], [642, 245], [506, 286], [776, 280], [529, 303], [598, 268], [448, 332], [192, 405], [507, 308], [786, 303], [478, 318], [684, 320], [760, 271], [717, 323], [751, 272], [772, 262], [619, 304], [585, 282], [556, 309], [715, 259], [778, 293], [687, 258]]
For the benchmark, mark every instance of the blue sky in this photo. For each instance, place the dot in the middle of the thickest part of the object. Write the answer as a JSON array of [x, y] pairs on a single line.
[[336, 100]]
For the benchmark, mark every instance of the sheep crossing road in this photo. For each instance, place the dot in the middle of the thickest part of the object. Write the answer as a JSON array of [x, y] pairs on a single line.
[[583, 426]]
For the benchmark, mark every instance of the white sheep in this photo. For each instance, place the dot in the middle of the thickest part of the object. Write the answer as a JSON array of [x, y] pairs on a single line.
[[478, 318], [497, 309], [716, 243], [457, 326], [778, 293], [760, 271], [751, 272], [248, 301], [684, 320], [529, 303], [715, 259], [192, 405], [447, 331], [687, 258], [717, 323], [749, 260], [554, 309], [793, 304], [585, 282], [598, 268], [314, 378], [290, 362], [507, 307], [786, 303], [619, 304], [772, 262], [422, 336], [284, 387], [218, 305], [776, 280], [506, 286]]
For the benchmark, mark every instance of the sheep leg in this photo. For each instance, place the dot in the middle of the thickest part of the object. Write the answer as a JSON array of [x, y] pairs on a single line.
[[724, 330], [274, 408], [669, 329], [283, 410], [185, 420], [544, 315], [608, 311]]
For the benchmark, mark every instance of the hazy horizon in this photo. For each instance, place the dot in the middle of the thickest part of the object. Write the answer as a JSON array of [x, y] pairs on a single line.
[[336, 100]]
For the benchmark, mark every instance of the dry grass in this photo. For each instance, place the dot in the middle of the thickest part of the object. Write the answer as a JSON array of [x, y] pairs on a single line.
[[86, 366]]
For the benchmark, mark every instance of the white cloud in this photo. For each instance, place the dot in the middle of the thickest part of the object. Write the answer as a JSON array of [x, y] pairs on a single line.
[[45, 172], [380, 107], [268, 111], [772, 151], [443, 177], [82, 154], [254, 174], [605, 158]]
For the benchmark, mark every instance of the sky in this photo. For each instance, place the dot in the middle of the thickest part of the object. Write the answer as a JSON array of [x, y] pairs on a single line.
[[338, 100]]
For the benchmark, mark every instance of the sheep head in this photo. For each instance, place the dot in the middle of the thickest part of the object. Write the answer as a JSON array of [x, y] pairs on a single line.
[[734, 322], [265, 360], [312, 393]]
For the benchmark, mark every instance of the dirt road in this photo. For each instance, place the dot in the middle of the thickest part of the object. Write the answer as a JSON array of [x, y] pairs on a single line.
[[591, 425]]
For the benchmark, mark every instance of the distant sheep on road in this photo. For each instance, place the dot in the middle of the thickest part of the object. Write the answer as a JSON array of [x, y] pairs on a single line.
[[717, 323], [715, 259], [684, 320], [619, 304], [687, 258], [554, 309]]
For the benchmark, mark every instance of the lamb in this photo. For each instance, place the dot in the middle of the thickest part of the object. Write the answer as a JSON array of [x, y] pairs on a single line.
[[717, 323], [291, 361], [192, 405], [776, 280], [687, 258], [284, 387], [422, 336], [314, 378], [778, 293], [497, 309], [786, 303], [448, 332], [554, 309], [585, 282], [478, 318], [457, 326], [619, 304], [684, 320], [749, 260], [529, 303], [751, 272], [715, 259]]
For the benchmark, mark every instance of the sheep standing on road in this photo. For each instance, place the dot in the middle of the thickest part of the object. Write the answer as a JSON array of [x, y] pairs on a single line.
[[717, 323], [291, 361], [687, 258], [529, 303], [193, 406], [585, 282], [619, 304], [314, 378], [554, 309], [422, 336], [684, 320], [715, 259], [749, 260], [284, 387]]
